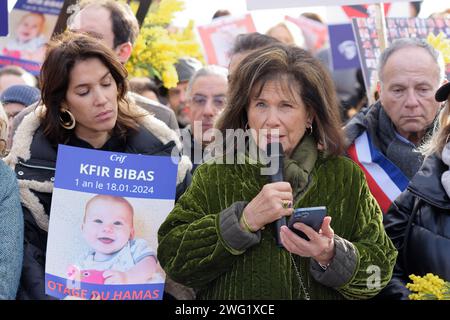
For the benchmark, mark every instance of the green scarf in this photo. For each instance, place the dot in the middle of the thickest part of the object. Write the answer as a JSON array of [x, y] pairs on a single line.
[[299, 165]]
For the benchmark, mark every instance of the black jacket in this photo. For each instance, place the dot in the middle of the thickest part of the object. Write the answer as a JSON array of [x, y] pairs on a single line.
[[34, 160], [418, 223]]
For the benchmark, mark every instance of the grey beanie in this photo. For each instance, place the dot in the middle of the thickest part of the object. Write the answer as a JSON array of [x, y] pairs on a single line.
[[186, 67], [22, 94]]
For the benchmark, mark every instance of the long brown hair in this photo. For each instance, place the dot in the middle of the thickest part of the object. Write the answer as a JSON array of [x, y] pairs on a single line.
[[306, 76], [63, 52]]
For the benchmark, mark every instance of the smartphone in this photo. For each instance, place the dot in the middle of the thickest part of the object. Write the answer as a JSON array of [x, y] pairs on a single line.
[[312, 217]]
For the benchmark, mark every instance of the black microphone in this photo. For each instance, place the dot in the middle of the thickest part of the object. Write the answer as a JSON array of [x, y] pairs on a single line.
[[276, 156]]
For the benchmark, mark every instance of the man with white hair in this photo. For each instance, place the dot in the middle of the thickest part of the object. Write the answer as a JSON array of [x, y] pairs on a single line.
[[205, 99], [383, 139]]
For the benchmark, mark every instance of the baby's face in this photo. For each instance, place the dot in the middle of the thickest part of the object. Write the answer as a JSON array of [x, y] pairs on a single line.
[[108, 226], [29, 28]]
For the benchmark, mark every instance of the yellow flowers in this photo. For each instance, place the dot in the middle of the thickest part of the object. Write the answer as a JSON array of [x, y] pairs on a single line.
[[440, 43], [428, 287], [157, 50]]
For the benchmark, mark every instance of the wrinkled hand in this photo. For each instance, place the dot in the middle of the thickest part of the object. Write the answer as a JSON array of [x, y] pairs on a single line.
[[321, 244], [114, 277], [267, 206]]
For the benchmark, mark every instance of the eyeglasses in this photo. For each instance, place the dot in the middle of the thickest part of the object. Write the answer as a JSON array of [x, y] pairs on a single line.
[[201, 101]]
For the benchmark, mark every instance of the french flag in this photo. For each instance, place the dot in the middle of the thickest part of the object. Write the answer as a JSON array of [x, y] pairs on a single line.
[[385, 180]]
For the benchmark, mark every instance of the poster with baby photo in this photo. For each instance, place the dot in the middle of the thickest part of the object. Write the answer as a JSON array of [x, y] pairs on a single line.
[[31, 24], [106, 210]]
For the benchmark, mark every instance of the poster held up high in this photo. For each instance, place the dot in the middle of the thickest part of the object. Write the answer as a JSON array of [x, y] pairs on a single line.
[[270, 4], [218, 37], [368, 44], [30, 28]]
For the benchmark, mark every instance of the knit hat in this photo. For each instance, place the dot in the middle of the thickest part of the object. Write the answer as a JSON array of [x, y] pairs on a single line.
[[186, 67], [22, 94]]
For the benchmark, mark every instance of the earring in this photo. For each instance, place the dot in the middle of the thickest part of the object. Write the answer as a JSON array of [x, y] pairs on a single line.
[[246, 127], [66, 119], [310, 129]]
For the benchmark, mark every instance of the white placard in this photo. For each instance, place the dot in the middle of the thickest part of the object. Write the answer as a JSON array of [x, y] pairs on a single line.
[[270, 4]]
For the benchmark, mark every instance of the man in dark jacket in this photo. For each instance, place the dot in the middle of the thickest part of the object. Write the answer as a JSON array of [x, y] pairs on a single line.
[[418, 221], [383, 138]]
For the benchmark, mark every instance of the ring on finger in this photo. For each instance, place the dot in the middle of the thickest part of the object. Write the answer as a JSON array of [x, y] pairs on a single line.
[[286, 204]]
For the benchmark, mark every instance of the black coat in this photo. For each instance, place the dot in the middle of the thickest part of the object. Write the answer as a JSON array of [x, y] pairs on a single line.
[[418, 223], [36, 176]]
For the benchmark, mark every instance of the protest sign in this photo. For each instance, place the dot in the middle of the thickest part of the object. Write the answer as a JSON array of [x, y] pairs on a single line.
[[366, 35], [270, 4], [218, 37], [342, 40], [315, 33], [343, 47], [31, 24], [106, 210]]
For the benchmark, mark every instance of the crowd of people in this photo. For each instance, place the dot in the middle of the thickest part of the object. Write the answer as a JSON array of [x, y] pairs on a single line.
[[383, 177]]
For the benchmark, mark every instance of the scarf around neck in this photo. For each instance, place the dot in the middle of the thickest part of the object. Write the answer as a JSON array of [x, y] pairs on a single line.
[[298, 167]]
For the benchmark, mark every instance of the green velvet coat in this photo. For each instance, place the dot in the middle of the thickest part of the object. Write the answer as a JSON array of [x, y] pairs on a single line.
[[192, 251]]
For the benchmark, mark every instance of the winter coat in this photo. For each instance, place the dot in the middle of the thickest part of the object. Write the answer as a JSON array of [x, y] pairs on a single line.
[[11, 233], [418, 223], [33, 159], [201, 244]]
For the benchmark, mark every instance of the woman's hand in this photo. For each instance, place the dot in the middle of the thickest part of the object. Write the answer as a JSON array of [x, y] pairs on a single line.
[[271, 203], [321, 244]]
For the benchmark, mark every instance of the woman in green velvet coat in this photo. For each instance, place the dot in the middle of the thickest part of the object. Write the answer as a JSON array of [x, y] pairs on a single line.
[[220, 237]]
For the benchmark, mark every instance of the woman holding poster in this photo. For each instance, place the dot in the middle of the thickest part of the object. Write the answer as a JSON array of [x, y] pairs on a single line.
[[220, 238], [84, 104]]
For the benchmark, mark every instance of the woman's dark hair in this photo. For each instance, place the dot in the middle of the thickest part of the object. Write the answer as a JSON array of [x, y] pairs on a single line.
[[63, 52], [299, 72]]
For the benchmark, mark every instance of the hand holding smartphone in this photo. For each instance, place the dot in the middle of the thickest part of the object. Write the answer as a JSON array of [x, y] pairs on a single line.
[[312, 217]]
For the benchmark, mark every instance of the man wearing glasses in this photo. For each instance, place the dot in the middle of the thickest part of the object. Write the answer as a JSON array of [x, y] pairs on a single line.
[[206, 97]]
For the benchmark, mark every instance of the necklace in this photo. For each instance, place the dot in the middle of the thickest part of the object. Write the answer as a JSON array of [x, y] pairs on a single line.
[[299, 277]]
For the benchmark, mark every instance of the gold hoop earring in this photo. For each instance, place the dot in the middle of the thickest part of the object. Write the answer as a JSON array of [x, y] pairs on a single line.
[[69, 123]]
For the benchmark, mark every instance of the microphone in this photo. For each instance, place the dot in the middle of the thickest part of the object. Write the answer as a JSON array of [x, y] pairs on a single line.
[[276, 156]]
